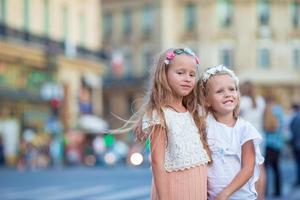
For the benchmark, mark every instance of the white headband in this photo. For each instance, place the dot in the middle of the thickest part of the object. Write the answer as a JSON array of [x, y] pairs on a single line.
[[219, 68]]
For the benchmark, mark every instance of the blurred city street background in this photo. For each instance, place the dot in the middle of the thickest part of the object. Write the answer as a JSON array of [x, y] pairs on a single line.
[[71, 70], [99, 183], [77, 183]]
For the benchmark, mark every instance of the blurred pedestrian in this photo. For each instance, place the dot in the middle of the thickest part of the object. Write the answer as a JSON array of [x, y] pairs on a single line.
[[179, 151], [21, 165], [273, 128], [252, 108], [234, 142], [2, 160], [99, 148], [295, 130], [56, 149]]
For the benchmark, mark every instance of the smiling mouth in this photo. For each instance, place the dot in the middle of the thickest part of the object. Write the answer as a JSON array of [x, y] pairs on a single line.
[[228, 101]]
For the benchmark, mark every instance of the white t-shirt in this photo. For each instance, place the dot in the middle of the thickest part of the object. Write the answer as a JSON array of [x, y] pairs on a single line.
[[226, 145], [184, 149]]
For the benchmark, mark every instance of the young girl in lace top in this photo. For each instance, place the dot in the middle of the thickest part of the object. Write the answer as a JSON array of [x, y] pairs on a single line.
[[179, 151], [233, 141]]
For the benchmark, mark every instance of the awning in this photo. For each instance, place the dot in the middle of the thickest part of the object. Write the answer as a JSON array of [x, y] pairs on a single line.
[[20, 95]]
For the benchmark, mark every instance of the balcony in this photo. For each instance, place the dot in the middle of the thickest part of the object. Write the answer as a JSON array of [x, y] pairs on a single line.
[[48, 45], [128, 81], [264, 32], [20, 94]]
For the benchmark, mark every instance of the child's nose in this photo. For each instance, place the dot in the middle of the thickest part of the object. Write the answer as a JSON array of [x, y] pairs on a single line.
[[188, 78], [227, 93]]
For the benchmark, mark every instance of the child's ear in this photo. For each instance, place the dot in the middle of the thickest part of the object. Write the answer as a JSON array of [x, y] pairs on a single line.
[[207, 102]]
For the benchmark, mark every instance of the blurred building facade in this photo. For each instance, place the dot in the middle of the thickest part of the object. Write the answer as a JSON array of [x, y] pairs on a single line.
[[132, 36], [50, 58], [259, 39]]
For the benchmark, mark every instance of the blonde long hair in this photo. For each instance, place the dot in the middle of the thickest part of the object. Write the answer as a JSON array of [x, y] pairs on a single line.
[[158, 96]]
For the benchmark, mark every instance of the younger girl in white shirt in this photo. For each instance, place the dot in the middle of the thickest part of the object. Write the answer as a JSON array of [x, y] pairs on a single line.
[[234, 142]]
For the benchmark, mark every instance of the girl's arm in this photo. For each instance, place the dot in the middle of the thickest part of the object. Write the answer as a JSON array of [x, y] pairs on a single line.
[[158, 146], [246, 172], [260, 185]]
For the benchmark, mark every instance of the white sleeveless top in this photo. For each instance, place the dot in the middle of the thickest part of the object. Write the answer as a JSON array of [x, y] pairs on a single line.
[[184, 149]]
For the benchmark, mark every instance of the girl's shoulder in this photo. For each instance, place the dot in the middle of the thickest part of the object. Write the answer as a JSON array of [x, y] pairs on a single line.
[[247, 131], [160, 117], [242, 122], [244, 125], [150, 118]]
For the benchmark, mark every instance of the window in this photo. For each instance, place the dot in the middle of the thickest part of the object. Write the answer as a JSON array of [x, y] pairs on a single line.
[[127, 22], [147, 57], [82, 29], [46, 17], [127, 63], [65, 28], [225, 13], [296, 14], [296, 58], [226, 57], [3, 11], [26, 14], [107, 25], [190, 17], [264, 58], [264, 12], [148, 19]]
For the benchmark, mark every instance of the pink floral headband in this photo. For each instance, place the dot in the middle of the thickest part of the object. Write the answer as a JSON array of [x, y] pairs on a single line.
[[171, 54]]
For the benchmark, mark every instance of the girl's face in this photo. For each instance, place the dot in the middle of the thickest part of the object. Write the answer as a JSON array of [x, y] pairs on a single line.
[[181, 75], [222, 95]]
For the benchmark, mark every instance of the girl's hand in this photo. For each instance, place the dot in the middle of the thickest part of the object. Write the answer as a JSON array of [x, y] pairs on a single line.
[[222, 196]]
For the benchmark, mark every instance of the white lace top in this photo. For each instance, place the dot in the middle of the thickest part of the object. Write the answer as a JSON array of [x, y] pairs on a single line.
[[184, 149]]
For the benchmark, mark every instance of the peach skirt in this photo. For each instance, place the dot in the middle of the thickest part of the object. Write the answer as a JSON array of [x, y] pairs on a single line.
[[189, 184]]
